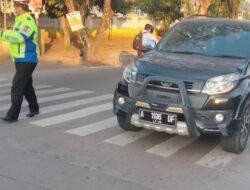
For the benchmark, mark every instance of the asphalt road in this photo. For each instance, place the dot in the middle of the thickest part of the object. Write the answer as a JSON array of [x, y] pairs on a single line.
[[76, 144]]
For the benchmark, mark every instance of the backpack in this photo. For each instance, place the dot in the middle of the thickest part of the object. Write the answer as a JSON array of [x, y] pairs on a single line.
[[137, 42]]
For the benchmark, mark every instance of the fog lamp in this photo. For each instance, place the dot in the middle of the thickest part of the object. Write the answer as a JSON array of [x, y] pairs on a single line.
[[121, 101], [219, 117], [220, 101]]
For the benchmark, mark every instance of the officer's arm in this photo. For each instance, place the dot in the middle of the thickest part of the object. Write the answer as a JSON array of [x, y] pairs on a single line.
[[11, 36], [23, 33]]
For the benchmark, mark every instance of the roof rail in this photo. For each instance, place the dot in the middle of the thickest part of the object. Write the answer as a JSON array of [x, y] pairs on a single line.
[[199, 16]]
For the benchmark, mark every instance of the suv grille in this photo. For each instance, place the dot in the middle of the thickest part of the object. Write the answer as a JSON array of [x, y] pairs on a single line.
[[190, 85]]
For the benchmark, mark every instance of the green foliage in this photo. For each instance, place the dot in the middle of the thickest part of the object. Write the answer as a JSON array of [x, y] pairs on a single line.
[[55, 8], [78, 3], [225, 8], [168, 10], [120, 6], [117, 5], [218, 9]]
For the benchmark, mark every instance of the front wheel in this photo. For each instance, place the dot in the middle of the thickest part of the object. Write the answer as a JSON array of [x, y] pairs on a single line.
[[125, 125], [237, 141]]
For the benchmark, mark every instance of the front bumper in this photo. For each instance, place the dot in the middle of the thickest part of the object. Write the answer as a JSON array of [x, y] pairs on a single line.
[[191, 121], [180, 129]]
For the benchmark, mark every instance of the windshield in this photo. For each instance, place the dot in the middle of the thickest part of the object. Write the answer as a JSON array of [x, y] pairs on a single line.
[[209, 39]]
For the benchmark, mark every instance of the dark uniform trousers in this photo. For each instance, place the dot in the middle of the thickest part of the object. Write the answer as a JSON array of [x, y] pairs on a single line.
[[22, 86]]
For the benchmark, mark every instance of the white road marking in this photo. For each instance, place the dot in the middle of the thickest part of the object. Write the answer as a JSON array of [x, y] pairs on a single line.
[[94, 128], [72, 115], [128, 137], [170, 146], [3, 79], [5, 85], [3, 91], [41, 92], [52, 98], [10, 84], [71, 104], [51, 91], [216, 158]]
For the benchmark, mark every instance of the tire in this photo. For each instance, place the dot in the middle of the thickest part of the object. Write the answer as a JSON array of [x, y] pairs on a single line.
[[125, 125], [237, 141]]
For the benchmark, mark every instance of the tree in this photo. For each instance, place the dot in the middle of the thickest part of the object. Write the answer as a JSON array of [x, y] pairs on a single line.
[[245, 9], [204, 5], [105, 23], [81, 36], [167, 10], [59, 9], [118, 6], [55, 9], [232, 8], [218, 9], [222, 8]]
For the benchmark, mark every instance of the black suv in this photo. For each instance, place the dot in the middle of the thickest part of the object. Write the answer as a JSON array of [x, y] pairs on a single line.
[[195, 81]]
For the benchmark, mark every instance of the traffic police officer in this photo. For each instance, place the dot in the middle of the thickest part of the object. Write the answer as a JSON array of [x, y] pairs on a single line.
[[24, 52]]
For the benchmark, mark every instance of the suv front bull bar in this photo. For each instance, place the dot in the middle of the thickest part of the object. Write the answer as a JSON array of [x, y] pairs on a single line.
[[185, 104]]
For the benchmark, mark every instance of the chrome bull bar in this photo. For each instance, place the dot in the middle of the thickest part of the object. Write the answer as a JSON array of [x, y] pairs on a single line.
[[183, 128]]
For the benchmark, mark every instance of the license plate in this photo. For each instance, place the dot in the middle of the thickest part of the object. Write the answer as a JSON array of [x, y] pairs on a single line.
[[158, 117]]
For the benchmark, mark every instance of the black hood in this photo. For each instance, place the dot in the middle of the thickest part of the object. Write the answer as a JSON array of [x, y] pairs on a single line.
[[194, 67]]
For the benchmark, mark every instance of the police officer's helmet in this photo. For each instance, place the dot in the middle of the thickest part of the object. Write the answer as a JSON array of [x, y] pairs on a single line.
[[21, 2]]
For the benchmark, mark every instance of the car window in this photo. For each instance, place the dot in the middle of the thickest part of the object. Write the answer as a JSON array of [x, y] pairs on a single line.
[[208, 39]]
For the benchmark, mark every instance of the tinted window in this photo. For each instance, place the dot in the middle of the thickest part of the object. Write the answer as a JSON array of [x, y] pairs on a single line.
[[208, 39]]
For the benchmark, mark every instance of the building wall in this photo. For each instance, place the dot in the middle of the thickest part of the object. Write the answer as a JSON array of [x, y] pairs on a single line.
[[120, 27]]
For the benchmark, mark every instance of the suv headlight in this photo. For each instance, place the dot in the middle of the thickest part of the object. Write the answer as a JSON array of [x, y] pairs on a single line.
[[221, 84], [130, 73]]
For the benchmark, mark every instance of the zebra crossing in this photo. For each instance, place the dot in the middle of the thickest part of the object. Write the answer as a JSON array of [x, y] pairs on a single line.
[[171, 146], [93, 128], [88, 103], [41, 92]]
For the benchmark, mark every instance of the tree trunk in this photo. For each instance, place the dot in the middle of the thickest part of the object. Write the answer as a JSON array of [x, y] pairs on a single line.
[[203, 7], [84, 9], [106, 20], [233, 8], [70, 5], [66, 31], [81, 34]]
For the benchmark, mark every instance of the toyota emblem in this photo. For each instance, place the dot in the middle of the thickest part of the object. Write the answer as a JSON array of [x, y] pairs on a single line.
[[166, 84]]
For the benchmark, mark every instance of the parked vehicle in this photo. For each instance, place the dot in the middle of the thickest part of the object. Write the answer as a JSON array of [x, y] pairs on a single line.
[[195, 81]]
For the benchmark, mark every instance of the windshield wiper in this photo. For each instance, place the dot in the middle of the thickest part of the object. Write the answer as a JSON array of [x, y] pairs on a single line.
[[230, 56], [182, 52], [187, 52]]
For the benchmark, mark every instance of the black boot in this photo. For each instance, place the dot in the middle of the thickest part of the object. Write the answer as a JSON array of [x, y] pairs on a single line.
[[9, 119], [32, 114]]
